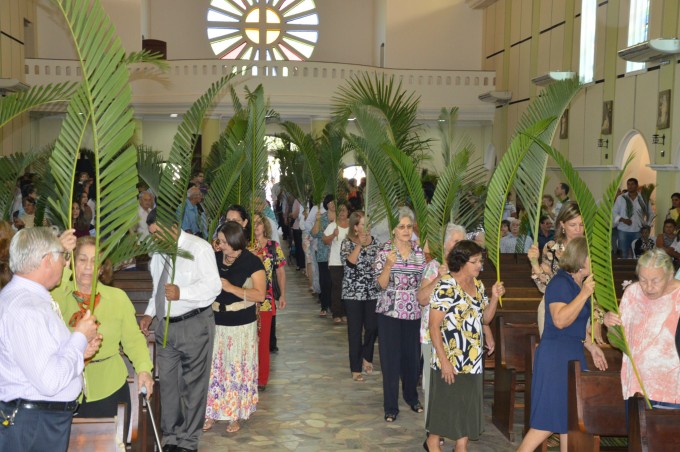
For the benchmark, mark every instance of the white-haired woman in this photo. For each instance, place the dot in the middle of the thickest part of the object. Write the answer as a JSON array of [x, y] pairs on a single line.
[[649, 312], [399, 270]]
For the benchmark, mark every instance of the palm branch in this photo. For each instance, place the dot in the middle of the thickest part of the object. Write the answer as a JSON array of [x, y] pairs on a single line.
[[385, 189], [388, 96], [171, 196], [222, 182], [332, 149], [450, 187], [597, 220], [309, 149], [499, 187], [149, 166], [15, 104], [530, 178], [146, 56], [449, 138]]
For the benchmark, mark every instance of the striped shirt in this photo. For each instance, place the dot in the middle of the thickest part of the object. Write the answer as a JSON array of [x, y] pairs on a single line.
[[40, 359]]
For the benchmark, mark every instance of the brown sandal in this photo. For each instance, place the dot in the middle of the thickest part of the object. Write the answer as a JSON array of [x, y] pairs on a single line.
[[208, 424], [356, 376], [233, 427]]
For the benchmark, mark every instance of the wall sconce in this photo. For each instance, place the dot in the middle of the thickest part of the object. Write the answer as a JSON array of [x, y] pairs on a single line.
[[603, 143], [659, 139]]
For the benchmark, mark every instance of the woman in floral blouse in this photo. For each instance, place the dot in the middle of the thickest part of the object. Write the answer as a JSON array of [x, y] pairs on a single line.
[[458, 310], [399, 269], [360, 294], [274, 260]]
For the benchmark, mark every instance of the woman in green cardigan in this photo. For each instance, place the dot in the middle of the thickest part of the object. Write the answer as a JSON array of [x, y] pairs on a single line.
[[105, 373]]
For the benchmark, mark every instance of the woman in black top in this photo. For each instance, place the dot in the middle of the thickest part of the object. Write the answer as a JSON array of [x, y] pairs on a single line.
[[360, 294], [232, 394]]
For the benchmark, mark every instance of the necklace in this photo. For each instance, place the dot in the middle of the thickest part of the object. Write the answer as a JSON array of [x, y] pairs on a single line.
[[228, 260]]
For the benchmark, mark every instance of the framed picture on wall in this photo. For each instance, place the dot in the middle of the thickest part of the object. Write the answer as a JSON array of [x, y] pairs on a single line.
[[607, 108], [564, 125], [663, 116]]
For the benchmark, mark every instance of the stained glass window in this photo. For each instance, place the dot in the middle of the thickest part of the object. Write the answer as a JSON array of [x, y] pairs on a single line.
[[263, 29]]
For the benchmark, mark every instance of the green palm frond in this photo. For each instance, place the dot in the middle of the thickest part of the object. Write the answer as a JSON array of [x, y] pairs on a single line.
[[145, 56], [222, 183], [293, 175], [256, 149], [309, 149], [408, 173], [149, 166], [386, 191], [388, 96], [450, 141], [530, 178], [62, 164], [13, 105], [106, 95], [597, 220], [499, 187], [449, 187], [171, 196], [332, 149], [172, 191]]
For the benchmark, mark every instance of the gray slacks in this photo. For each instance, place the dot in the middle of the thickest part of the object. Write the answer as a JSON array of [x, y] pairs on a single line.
[[184, 372]]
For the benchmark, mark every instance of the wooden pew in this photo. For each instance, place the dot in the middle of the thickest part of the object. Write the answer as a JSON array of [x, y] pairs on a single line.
[[137, 285], [511, 345], [595, 408], [100, 434], [656, 430]]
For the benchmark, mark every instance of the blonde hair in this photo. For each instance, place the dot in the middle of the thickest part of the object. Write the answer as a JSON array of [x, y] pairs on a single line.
[[354, 220], [569, 211], [575, 254]]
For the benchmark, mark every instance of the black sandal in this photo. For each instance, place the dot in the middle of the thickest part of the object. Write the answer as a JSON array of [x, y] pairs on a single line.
[[417, 407], [390, 417]]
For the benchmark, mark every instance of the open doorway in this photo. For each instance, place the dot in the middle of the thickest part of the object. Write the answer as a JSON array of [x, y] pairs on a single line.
[[633, 143]]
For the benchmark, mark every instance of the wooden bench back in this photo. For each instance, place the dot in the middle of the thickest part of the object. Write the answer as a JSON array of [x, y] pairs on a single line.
[[595, 401], [512, 341], [100, 434], [654, 430]]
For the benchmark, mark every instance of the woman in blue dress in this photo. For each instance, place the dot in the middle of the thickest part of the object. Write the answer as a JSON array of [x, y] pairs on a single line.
[[567, 300]]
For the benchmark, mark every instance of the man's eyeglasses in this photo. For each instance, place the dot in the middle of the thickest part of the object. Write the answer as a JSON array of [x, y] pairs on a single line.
[[66, 254]]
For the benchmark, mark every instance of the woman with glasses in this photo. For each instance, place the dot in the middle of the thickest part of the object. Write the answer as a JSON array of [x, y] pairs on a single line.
[[105, 373], [399, 268]]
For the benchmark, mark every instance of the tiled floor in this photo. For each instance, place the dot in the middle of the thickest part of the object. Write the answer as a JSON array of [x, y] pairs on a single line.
[[311, 402]]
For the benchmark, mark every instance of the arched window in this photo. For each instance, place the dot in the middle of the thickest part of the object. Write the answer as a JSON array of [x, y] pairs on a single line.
[[638, 29], [588, 27], [270, 30]]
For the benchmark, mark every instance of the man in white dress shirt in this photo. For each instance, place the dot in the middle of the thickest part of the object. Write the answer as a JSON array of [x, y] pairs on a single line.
[[41, 361], [184, 363]]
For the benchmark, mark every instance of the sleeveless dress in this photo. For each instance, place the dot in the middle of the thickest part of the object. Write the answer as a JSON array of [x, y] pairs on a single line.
[[551, 363]]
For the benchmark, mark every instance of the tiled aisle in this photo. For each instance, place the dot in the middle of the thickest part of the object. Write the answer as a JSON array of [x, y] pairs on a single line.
[[311, 402]]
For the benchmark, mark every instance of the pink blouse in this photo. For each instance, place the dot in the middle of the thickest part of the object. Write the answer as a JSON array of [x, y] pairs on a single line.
[[650, 330]]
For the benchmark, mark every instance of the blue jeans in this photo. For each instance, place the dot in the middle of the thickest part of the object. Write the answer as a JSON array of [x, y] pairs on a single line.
[[625, 241]]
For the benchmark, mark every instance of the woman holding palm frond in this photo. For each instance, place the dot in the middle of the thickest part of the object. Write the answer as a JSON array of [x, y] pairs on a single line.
[[399, 270], [568, 226], [649, 313], [568, 298]]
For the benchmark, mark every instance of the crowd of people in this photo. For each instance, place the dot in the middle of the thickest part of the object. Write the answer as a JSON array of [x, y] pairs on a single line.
[[214, 357]]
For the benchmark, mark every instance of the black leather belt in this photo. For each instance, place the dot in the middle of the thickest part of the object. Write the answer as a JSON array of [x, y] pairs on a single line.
[[43, 405], [188, 315]]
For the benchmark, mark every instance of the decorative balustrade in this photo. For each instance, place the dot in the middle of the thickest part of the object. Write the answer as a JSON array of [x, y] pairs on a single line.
[[293, 88]]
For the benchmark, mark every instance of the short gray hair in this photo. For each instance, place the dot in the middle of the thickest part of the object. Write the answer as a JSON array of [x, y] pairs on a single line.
[[655, 258], [405, 212], [29, 246], [451, 229]]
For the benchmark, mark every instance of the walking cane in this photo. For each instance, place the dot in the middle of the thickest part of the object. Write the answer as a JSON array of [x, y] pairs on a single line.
[[153, 421]]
